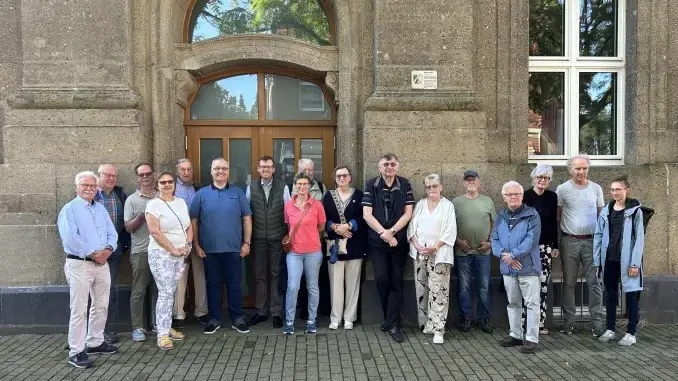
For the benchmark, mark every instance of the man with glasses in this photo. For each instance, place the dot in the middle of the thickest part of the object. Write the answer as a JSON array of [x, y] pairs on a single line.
[[185, 189], [222, 230], [475, 216], [112, 197], [268, 229], [135, 224], [579, 203], [387, 207], [89, 238]]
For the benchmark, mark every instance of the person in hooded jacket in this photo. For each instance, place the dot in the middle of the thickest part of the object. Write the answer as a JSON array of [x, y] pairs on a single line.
[[515, 240], [618, 251]]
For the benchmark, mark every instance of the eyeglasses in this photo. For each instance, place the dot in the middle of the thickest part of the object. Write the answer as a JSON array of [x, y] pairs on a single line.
[[185, 169], [109, 175], [513, 195], [166, 182], [342, 175], [145, 174], [220, 169], [432, 186], [266, 166], [393, 164], [90, 186], [303, 185], [543, 178]]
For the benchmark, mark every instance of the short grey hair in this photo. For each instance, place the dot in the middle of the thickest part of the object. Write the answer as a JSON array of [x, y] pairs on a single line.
[[581, 156], [84, 175], [182, 161], [217, 159], [511, 184], [304, 161], [104, 166], [541, 170], [433, 177], [303, 175]]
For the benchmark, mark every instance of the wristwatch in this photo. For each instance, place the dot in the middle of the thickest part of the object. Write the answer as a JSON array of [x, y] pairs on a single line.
[[247, 243], [109, 247]]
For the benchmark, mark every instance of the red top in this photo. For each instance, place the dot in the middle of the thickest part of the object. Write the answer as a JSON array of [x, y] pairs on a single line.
[[307, 237]]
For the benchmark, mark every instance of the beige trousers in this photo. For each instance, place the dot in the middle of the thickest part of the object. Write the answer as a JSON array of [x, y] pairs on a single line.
[[345, 275], [87, 278], [198, 287]]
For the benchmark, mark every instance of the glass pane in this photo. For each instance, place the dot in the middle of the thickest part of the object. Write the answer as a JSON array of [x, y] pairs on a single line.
[[597, 113], [546, 114], [598, 28], [283, 157], [547, 27], [210, 149], [313, 149], [302, 19], [240, 160], [290, 98], [233, 98]]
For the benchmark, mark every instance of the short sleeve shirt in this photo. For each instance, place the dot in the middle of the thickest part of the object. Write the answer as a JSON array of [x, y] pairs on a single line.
[[474, 221], [306, 239], [580, 207], [134, 206], [174, 220]]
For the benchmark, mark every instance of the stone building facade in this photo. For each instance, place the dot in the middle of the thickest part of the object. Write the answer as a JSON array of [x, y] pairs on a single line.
[[83, 82]]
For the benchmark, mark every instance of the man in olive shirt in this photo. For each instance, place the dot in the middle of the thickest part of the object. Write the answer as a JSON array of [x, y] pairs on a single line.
[[475, 216]]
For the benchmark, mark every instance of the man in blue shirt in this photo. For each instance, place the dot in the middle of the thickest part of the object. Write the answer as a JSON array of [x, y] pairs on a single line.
[[89, 238], [221, 216]]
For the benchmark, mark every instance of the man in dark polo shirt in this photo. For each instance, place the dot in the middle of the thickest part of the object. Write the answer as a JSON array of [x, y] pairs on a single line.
[[221, 216], [387, 207], [268, 229]]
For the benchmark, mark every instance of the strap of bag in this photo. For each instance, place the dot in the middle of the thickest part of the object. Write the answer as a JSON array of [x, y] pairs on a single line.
[[303, 214], [179, 219], [339, 204]]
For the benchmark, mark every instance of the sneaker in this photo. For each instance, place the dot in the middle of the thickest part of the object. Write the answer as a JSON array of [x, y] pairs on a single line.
[[105, 349], [485, 326], [348, 325], [543, 331], [397, 334], [277, 322], [528, 347], [438, 338], [165, 343], [178, 323], [510, 341], [567, 329], [383, 327], [256, 319], [597, 330], [204, 319], [240, 325], [212, 327], [311, 327], [175, 335], [627, 340], [154, 328], [139, 334], [111, 337], [427, 331], [334, 326], [80, 360], [607, 336], [464, 324], [289, 328]]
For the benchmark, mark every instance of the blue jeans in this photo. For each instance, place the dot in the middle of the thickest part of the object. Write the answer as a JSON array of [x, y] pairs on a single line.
[[309, 265], [217, 267], [477, 266]]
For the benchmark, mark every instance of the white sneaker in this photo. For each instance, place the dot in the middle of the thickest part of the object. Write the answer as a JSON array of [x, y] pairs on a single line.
[[607, 336], [438, 338], [334, 325], [627, 340], [348, 325], [427, 331]]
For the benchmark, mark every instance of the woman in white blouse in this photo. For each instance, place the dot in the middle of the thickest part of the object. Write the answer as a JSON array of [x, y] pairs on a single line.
[[171, 235], [432, 233]]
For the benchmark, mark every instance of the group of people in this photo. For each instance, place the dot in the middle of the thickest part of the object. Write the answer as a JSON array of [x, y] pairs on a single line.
[[293, 230]]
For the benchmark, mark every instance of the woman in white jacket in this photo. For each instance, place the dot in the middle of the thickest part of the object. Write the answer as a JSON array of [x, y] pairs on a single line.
[[432, 233]]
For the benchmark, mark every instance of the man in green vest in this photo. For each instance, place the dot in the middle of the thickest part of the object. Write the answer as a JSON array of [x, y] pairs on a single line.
[[268, 229]]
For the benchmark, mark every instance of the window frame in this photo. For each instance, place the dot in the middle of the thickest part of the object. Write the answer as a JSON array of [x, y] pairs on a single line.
[[572, 64]]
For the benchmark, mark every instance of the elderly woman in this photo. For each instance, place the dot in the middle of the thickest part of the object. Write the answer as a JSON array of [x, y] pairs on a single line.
[[432, 233], [618, 248], [170, 242], [546, 204], [515, 240], [306, 217], [346, 236]]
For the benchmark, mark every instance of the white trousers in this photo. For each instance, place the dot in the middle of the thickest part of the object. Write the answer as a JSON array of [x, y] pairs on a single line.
[[519, 288], [87, 278], [198, 288], [345, 289]]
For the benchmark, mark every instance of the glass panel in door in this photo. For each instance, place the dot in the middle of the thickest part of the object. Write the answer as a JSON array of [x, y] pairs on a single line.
[[284, 159], [313, 149], [240, 160], [210, 149]]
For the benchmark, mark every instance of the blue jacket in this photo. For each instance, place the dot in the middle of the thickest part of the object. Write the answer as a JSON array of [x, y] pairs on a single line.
[[522, 241], [631, 247]]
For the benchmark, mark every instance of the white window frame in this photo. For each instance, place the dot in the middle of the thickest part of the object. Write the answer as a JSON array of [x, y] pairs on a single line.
[[303, 84], [572, 64]]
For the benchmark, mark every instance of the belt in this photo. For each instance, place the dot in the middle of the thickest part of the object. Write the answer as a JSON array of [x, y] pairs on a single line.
[[578, 236], [69, 256]]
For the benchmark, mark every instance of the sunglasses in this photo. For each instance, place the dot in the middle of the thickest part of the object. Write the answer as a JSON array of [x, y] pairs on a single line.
[[343, 176], [166, 182], [432, 186], [145, 174], [392, 164]]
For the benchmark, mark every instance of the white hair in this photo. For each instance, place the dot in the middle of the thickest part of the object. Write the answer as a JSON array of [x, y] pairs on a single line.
[[182, 161], [541, 170], [433, 177], [303, 162], [84, 175], [511, 184], [104, 166], [581, 156]]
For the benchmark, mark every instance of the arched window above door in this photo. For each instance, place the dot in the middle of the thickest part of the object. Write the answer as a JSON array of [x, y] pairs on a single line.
[[301, 19]]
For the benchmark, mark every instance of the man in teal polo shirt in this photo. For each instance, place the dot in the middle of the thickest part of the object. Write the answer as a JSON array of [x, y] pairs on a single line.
[[221, 218]]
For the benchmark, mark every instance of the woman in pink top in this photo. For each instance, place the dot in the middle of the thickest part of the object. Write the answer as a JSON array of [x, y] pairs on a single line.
[[305, 256]]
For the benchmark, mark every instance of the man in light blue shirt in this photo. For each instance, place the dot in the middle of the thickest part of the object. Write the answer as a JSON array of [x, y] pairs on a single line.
[[89, 238]]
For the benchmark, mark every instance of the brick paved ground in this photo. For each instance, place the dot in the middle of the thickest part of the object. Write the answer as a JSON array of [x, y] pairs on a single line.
[[362, 354]]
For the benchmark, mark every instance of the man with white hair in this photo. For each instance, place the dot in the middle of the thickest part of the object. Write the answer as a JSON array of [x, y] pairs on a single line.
[[89, 238], [317, 190], [579, 203]]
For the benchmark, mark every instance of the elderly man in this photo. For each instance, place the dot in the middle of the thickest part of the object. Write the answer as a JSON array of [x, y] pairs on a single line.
[[387, 208], [135, 224], [222, 230], [475, 215], [89, 238], [268, 229], [112, 197], [317, 190], [186, 189], [515, 240], [579, 203]]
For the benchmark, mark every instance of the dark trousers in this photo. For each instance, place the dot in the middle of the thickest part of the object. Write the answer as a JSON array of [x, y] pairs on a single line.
[[267, 254], [220, 267], [114, 268], [611, 278], [388, 264]]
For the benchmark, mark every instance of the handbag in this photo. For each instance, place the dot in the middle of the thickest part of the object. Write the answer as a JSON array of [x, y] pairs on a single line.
[[287, 239]]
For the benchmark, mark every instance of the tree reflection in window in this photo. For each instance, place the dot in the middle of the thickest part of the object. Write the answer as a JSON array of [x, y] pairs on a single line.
[[597, 113], [233, 98], [547, 27], [302, 19], [597, 28]]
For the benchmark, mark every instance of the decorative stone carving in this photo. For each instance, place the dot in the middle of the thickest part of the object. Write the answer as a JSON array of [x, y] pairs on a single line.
[[184, 85], [332, 82]]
